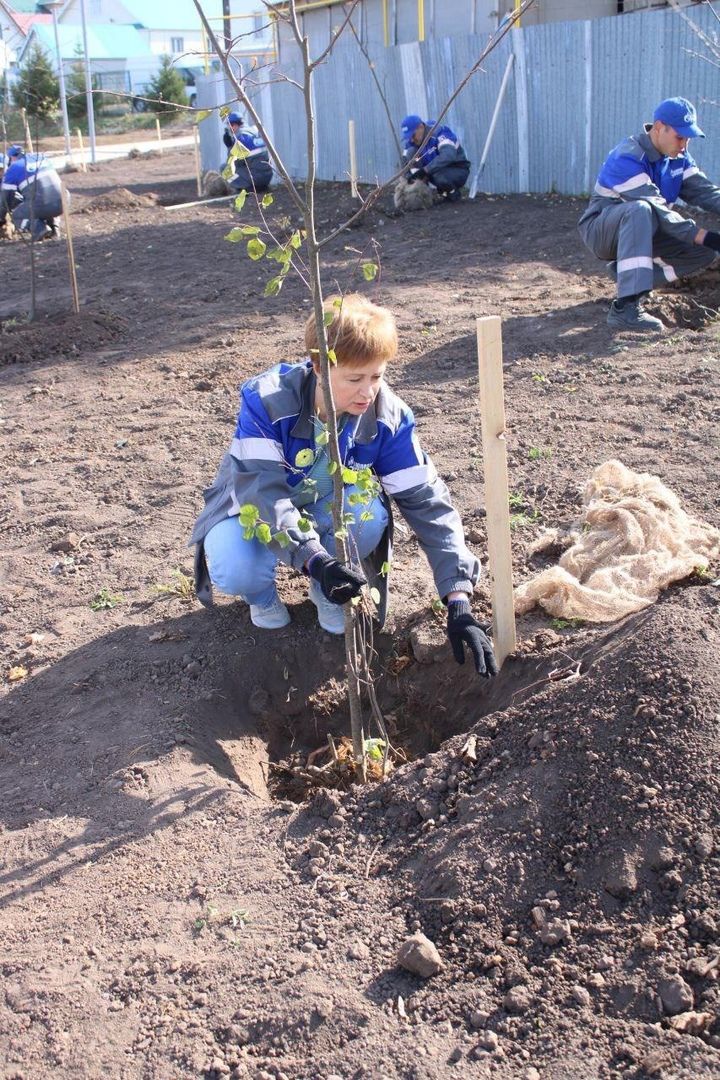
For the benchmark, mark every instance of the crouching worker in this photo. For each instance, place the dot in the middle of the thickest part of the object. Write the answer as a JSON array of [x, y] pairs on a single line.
[[248, 165], [278, 467], [30, 193], [442, 162]]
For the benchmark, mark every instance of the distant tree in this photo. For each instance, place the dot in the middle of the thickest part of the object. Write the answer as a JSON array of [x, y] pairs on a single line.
[[75, 87], [37, 89], [167, 88]]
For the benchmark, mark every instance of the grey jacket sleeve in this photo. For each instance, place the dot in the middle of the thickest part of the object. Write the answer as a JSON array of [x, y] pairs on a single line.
[[263, 484], [431, 516], [699, 191]]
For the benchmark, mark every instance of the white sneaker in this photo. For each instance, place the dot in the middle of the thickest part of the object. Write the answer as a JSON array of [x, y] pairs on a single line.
[[330, 616], [272, 617]]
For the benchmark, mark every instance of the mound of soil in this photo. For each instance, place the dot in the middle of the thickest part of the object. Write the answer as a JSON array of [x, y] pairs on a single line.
[[65, 334], [563, 864], [119, 199]]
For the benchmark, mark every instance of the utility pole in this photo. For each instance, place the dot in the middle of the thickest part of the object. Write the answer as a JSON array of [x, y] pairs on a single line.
[[54, 5], [227, 28], [88, 86]]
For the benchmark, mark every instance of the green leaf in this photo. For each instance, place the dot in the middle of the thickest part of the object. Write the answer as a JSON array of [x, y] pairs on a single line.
[[281, 255], [248, 514], [303, 458], [267, 200], [366, 515], [235, 235], [332, 468], [273, 286], [349, 475], [374, 748], [357, 499], [295, 240], [322, 438], [249, 532], [304, 524], [328, 317], [354, 600], [348, 519], [256, 249], [337, 302], [202, 115], [240, 200], [331, 356], [263, 534], [249, 230], [369, 270], [385, 568], [282, 539], [375, 595], [341, 534]]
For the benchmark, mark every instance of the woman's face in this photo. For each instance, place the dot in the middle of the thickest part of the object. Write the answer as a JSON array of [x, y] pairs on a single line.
[[354, 386]]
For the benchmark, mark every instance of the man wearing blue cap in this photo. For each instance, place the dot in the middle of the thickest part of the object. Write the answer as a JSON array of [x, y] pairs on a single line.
[[248, 167], [630, 218], [442, 160]]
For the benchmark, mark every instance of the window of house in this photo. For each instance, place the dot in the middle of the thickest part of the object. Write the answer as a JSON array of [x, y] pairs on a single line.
[[177, 44]]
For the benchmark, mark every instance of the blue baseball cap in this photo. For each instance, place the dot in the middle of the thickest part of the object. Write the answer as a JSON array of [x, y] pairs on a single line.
[[234, 118], [681, 115], [409, 126], [15, 151]]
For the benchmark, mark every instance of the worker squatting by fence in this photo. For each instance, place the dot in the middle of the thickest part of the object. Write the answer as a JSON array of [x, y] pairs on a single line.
[[575, 89]]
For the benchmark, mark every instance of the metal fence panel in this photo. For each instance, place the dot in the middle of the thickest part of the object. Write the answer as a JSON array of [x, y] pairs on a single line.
[[576, 89]]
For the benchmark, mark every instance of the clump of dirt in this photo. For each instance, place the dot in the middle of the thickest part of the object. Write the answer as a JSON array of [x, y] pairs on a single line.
[[693, 303], [562, 860], [56, 335], [119, 199]]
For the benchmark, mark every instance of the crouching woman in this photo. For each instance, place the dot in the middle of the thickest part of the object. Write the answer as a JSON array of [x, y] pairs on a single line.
[[275, 484]]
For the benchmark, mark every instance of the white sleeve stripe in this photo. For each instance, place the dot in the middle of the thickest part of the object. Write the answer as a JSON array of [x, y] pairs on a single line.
[[639, 180], [606, 191], [404, 479], [256, 450], [692, 171]]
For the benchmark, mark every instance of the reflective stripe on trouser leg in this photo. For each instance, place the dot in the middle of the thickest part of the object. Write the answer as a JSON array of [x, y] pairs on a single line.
[[624, 232], [240, 567], [682, 260]]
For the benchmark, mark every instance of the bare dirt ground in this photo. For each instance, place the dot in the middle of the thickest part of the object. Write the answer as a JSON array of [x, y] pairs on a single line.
[[162, 915]]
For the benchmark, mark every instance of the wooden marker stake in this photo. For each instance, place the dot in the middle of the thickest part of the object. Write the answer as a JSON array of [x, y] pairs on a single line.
[[83, 162], [70, 252], [159, 136], [353, 160], [198, 176], [492, 416]]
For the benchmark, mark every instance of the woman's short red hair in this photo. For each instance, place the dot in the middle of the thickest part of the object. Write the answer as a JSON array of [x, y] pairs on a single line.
[[360, 331]]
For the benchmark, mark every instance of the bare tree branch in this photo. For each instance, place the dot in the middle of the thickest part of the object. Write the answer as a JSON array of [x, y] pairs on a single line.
[[377, 192], [243, 97], [331, 44]]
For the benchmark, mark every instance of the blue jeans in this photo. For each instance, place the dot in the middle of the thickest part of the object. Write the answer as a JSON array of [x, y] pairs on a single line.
[[246, 568]]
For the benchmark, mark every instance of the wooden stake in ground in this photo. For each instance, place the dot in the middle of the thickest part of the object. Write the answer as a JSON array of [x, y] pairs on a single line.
[[70, 252], [497, 505], [83, 163], [28, 137], [198, 177], [159, 136], [353, 159]]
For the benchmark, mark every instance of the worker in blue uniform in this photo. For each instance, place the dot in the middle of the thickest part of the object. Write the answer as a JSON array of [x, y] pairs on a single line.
[[31, 194], [248, 167], [441, 162], [630, 219]]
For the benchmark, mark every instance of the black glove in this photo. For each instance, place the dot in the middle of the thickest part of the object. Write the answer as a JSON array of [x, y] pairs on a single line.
[[462, 627], [416, 174], [712, 240], [338, 583]]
